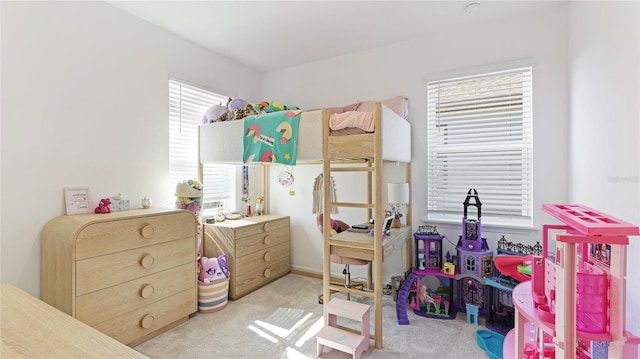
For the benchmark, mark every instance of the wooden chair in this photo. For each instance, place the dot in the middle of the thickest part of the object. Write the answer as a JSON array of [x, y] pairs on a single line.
[[341, 259]]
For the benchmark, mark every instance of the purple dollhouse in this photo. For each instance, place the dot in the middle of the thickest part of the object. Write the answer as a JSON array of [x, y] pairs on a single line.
[[475, 261]]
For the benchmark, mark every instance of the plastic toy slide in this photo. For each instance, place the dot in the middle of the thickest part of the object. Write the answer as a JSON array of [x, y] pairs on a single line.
[[514, 266]]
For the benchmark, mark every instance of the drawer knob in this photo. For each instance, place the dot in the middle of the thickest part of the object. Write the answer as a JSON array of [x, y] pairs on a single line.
[[147, 261], [267, 273], [267, 240], [267, 227], [147, 321], [267, 256], [147, 231], [147, 291]]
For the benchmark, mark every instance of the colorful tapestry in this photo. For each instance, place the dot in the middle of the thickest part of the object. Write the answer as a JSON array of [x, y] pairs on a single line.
[[271, 137]]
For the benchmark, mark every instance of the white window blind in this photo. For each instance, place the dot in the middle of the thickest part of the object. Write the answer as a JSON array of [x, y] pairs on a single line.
[[479, 135], [187, 106]]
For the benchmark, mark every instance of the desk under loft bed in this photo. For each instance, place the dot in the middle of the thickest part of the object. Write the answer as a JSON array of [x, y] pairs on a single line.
[[362, 152]]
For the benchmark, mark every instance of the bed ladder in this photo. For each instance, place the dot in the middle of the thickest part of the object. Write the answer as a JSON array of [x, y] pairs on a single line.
[[375, 207]]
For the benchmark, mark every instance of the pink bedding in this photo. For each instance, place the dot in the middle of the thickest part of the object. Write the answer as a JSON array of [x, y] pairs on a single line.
[[357, 119]]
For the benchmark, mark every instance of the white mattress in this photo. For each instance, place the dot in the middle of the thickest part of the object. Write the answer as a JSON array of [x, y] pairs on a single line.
[[221, 142]]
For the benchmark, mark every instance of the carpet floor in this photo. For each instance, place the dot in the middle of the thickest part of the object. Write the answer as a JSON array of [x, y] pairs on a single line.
[[281, 319]]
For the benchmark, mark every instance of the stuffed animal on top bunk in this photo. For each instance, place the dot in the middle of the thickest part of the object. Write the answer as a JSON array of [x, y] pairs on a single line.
[[213, 113], [273, 106], [234, 109], [237, 109]]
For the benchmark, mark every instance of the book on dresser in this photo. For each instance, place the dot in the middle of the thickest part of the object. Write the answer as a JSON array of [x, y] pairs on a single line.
[[131, 274], [257, 249]]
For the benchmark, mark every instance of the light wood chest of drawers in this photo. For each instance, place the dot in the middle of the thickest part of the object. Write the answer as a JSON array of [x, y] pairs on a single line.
[[131, 274], [257, 249]]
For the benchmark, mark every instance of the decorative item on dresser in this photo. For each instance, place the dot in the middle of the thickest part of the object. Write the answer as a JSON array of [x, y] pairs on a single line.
[[131, 275], [257, 250]]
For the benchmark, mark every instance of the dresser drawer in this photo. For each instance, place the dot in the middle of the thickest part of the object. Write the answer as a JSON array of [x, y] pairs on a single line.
[[105, 271], [115, 236], [261, 267], [261, 227], [135, 324], [261, 241], [255, 277], [99, 306]]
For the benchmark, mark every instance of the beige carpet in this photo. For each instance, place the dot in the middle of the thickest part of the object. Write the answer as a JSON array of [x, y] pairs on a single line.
[[280, 321]]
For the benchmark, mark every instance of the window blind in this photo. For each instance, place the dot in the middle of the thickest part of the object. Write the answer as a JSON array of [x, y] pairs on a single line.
[[479, 135], [187, 106]]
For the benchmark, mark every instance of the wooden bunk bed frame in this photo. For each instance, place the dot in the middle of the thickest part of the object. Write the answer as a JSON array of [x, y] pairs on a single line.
[[367, 148]]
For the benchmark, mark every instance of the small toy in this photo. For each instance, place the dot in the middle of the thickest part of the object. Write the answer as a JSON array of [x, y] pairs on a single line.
[[212, 269], [236, 104], [103, 206], [145, 202], [189, 193], [259, 205], [213, 113], [490, 342], [448, 268], [425, 298]]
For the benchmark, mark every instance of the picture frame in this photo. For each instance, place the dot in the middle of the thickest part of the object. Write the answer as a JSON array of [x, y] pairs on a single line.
[[77, 200], [600, 252], [386, 225]]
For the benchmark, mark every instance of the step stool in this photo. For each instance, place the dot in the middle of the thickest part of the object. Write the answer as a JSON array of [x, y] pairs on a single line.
[[342, 340]]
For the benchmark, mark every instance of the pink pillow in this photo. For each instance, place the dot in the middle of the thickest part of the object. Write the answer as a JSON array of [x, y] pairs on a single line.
[[398, 104], [350, 107]]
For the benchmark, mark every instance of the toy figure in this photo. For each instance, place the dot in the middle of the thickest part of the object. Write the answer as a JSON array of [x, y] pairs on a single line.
[[103, 207], [259, 205], [425, 298]]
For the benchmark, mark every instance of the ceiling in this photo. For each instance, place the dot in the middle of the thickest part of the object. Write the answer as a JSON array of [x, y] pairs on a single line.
[[271, 35]]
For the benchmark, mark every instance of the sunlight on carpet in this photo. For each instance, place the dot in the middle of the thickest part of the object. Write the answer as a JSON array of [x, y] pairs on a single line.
[[282, 319]]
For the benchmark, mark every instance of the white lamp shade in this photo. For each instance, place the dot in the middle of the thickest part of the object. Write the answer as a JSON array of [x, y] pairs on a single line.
[[398, 193]]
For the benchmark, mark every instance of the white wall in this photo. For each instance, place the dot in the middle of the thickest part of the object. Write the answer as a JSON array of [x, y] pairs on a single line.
[[605, 119], [85, 103], [539, 39]]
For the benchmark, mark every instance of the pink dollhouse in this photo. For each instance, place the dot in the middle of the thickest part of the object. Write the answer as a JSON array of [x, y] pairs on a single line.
[[575, 305]]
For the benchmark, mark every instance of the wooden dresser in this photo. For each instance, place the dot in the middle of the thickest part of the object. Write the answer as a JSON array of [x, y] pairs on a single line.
[[131, 274], [257, 249], [33, 329]]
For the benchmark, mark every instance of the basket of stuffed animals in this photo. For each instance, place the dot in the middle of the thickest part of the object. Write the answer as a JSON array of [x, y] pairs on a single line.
[[213, 284]]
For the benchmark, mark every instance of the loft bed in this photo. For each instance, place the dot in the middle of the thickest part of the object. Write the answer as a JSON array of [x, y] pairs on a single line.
[[370, 148], [221, 142], [390, 140]]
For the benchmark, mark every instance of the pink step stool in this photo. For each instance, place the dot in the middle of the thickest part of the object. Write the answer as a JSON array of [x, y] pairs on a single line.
[[339, 339]]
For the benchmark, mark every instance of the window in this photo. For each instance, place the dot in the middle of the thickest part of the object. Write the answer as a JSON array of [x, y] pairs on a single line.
[[479, 135], [187, 106]]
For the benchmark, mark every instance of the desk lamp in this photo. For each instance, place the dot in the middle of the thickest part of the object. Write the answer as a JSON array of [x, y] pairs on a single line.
[[397, 194]]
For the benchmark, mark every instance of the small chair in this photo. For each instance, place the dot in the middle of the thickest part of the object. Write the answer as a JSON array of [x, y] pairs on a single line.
[[342, 260]]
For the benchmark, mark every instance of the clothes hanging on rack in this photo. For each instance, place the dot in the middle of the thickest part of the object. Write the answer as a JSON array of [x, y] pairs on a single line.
[[318, 194]]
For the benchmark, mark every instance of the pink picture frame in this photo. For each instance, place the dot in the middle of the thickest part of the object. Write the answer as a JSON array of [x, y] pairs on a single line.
[[77, 200]]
